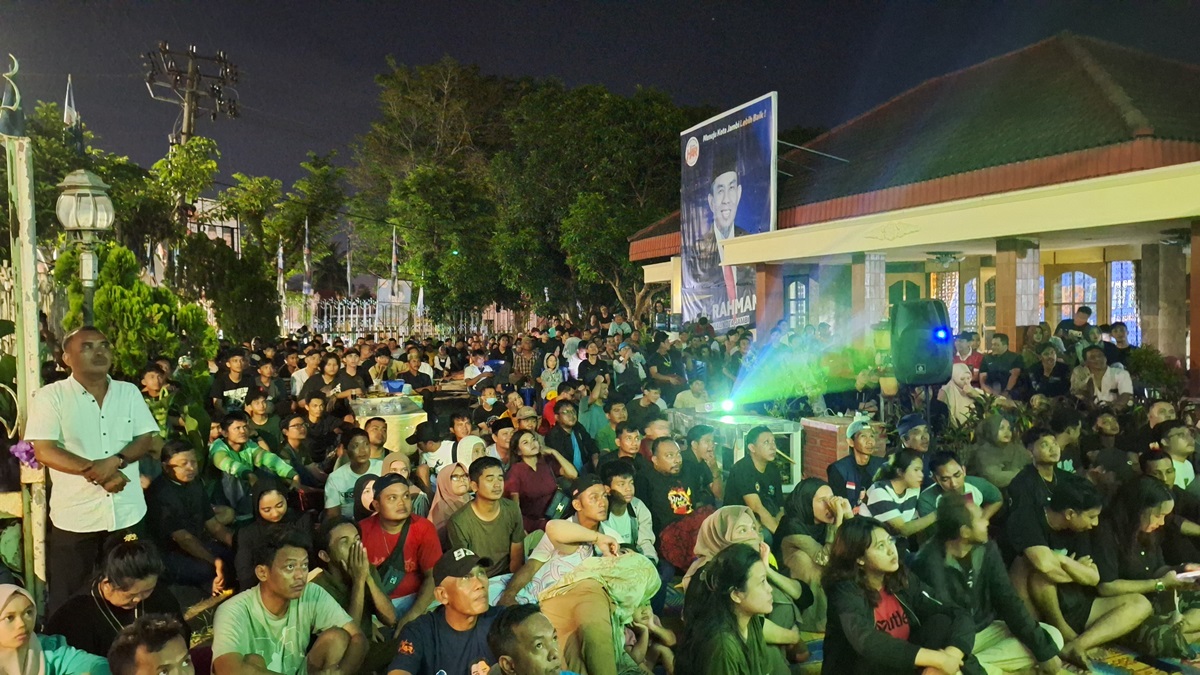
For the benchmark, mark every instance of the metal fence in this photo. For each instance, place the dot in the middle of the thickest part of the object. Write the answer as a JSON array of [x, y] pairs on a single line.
[[352, 317], [52, 301]]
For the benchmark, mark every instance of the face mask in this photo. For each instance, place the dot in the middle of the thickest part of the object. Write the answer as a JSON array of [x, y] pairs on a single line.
[[491, 400]]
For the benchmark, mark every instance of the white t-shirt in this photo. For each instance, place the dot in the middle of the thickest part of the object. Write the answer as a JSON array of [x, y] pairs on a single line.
[[298, 379], [1185, 473], [623, 524], [339, 488], [1116, 381], [884, 504]]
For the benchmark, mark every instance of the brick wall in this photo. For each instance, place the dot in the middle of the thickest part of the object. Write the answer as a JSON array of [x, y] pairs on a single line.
[[825, 443]]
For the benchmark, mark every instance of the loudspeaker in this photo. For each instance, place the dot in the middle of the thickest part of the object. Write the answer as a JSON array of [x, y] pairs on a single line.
[[922, 343]]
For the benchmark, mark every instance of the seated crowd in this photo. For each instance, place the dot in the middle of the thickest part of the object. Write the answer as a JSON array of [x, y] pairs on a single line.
[[555, 522]]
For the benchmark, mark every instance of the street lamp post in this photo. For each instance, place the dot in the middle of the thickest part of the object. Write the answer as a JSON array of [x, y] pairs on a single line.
[[86, 213]]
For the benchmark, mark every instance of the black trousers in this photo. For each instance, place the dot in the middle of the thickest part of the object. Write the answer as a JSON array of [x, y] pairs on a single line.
[[71, 561]]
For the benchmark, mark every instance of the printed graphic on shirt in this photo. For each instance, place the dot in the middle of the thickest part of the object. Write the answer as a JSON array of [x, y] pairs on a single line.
[[680, 499], [235, 399]]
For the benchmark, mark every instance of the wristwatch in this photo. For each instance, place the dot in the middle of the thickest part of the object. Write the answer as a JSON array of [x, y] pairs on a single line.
[[1159, 586], [123, 461]]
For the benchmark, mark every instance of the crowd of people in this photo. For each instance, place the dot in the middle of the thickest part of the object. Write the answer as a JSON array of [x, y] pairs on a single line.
[[559, 523]]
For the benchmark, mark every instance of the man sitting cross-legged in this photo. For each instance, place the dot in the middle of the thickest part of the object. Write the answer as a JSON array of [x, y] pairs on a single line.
[[1055, 574], [491, 525], [268, 628], [966, 569]]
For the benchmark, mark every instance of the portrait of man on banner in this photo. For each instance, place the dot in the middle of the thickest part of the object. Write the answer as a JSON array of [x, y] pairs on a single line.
[[728, 192]]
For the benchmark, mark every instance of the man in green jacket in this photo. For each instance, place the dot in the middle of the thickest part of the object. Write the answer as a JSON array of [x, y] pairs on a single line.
[[966, 570]]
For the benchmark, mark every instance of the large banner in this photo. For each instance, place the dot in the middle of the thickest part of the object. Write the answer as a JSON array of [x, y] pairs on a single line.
[[728, 190]]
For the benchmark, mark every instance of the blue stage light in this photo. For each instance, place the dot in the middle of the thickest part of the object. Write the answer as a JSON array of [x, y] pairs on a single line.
[[941, 333]]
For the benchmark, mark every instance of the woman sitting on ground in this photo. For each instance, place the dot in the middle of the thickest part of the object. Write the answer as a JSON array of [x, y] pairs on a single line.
[[126, 588], [1128, 554], [812, 516], [23, 652], [732, 525], [893, 498], [271, 514], [726, 631], [881, 618]]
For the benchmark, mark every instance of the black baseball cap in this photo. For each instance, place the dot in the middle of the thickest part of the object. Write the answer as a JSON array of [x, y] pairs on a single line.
[[424, 432], [458, 563]]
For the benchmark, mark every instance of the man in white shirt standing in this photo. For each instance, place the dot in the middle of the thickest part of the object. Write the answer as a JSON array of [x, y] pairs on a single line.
[[90, 431]]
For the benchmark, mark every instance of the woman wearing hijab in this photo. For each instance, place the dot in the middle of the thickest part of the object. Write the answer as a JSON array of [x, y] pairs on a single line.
[[271, 513], [731, 525], [23, 652], [958, 394], [996, 457], [364, 495], [126, 588], [453, 493], [399, 463]]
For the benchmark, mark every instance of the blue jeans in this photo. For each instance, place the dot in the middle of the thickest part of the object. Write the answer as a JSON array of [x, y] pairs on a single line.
[[185, 570], [666, 574]]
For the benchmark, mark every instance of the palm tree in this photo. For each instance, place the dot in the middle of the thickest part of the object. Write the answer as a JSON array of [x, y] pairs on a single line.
[[329, 270]]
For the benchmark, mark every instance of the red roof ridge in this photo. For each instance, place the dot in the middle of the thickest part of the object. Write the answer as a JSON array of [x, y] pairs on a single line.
[[1125, 48], [640, 233], [1135, 119]]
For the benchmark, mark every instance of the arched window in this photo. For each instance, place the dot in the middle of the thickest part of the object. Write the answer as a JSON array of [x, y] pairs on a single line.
[[902, 291]]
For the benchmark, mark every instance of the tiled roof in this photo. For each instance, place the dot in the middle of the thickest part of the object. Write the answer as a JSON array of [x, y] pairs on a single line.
[[1064, 109], [1057, 97]]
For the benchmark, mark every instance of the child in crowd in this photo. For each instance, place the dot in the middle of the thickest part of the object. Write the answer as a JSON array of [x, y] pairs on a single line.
[[648, 643]]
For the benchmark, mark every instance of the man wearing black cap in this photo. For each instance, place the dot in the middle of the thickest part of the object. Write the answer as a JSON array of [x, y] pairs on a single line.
[[913, 431], [453, 637], [428, 443]]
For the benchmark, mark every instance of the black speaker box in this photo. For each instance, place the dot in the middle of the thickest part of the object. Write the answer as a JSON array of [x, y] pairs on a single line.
[[922, 342]]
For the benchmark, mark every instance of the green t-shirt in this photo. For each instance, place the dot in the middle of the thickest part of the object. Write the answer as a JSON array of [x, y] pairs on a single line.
[[606, 439], [243, 626], [268, 431], [730, 656], [488, 539], [978, 490]]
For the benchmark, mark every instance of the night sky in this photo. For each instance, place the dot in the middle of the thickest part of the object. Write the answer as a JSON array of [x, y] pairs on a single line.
[[307, 67]]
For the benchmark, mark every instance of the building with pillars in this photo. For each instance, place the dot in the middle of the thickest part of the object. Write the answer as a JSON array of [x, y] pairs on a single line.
[[1063, 174]]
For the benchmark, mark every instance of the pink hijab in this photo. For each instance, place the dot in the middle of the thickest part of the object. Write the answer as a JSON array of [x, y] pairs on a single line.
[[34, 662], [716, 535], [445, 502]]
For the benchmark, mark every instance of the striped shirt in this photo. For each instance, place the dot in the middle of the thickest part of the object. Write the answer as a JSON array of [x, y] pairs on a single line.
[[884, 504]]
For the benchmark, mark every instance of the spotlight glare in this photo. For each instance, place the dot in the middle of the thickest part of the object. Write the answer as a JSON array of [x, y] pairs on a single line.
[[727, 405], [940, 333]]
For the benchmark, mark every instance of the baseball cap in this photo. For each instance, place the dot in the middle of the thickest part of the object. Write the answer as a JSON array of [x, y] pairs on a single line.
[[526, 412], [457, 563], [909, 422], [423, 432], [624, 345], [584, 482], [389, 479], [855, 427]]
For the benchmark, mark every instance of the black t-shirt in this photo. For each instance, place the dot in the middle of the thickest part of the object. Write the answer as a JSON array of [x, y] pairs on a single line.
[[999, 367], [175, 506], [232, 395], [670, 364], [1057, 383], [359, 380], [1116, 354], [701, 475], [1069, 332], [746, 479], [481, 415], [1139, 560], [317, 383], [669, 498], [1029, 489], [429, 645], [588, 372], [1027, 527], [416, 381], [84, 618]]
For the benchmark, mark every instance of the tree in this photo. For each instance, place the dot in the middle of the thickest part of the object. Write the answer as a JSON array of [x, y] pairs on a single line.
[[188, 169], [423, 168], [251, 202], [586, 170], [140, 320], [316, 198], [243, 295]]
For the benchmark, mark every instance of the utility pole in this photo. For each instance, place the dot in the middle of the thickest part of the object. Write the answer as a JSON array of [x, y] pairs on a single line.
[[177, 77]]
